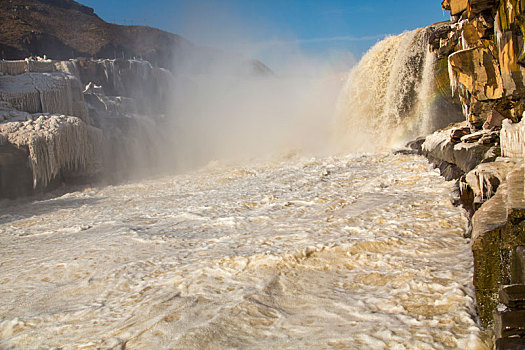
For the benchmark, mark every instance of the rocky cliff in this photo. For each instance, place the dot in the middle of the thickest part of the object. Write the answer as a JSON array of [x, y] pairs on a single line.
[[64, 29], [482, 46]]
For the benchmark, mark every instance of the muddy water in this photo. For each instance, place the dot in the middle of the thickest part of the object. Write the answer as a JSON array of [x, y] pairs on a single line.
[[353, 252]]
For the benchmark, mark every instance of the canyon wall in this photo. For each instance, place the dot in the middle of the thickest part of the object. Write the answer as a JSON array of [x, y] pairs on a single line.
[[482, 46]]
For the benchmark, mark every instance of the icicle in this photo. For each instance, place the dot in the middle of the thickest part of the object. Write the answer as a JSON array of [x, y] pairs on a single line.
[[56, 143]]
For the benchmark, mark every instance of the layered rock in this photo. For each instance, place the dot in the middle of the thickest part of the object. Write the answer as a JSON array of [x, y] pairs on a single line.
[[483, 46]]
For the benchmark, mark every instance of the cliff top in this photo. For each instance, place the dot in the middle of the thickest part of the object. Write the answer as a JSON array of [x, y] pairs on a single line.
[[63, 29]]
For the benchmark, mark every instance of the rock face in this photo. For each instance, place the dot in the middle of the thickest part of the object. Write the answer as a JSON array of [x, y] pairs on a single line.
[[55, 143], [455, 154], [483, 47], [497, 231], [475, 69]]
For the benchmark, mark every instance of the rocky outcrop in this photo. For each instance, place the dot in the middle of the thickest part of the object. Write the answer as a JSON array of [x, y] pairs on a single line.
[[456, 152], [62, 130], [497, 231], [483, 47], [476, 71]]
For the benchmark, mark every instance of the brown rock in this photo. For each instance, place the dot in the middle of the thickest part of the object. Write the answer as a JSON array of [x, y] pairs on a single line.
[[513, 296], [477, 6], [511, 72], [471, 36], [16, 177], [518, 265], [494, 120], [457, 133], [496, 231], [457, 6], [474, 137], [509, 323], [510, 344], [477, 70]]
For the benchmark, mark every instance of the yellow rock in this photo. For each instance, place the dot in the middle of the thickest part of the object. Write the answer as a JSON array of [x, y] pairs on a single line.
[[478, 72], [511, 72], [457, 6]]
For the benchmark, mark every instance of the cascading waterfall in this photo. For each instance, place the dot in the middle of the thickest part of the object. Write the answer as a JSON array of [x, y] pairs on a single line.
[[390, 96]]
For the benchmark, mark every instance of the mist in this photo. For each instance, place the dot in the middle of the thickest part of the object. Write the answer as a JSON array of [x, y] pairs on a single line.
[[225, 108]]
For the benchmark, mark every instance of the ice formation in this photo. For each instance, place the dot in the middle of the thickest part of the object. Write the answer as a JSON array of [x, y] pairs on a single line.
[[55, 92], [55, 143], [513, 139]]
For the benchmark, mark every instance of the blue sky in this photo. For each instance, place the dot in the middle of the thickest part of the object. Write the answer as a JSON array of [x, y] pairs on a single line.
[[273, 30]]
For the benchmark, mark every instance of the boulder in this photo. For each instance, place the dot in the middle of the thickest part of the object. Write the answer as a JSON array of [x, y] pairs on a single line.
[[478, 72], [438, 147]]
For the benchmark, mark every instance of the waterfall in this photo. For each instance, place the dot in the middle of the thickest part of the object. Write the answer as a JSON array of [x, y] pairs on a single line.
[[390, 96]]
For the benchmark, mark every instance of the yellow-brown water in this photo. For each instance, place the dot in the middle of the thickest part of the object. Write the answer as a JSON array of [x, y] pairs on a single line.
[[350, 252]]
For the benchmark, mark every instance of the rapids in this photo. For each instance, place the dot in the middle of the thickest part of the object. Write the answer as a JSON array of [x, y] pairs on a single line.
[[363, 251]]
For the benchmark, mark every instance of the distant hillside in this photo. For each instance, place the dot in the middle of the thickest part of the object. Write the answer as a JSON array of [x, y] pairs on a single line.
[[63, 29]]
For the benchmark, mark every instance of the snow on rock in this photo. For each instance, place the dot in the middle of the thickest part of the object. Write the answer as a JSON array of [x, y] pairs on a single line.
[[55, 142], [18, 67], [13, 67], [55, 92]]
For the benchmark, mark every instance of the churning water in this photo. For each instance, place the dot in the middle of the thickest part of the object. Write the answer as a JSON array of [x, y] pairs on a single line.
[[349, 252], [362, 251]]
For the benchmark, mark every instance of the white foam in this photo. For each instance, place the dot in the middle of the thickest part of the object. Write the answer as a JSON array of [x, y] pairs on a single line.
[[288, 258]]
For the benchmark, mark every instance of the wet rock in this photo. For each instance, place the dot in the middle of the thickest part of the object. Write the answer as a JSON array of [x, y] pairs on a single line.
[[518, 265], [441, 150], [513, 296], [497, 228], [473, 137], [485, 179], [509, 323], [457, 133], [515, 343]]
